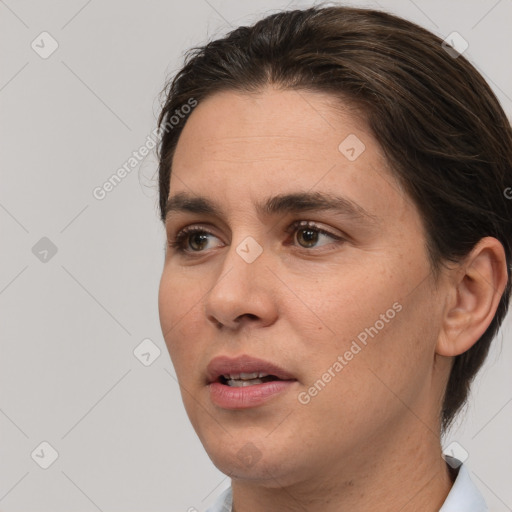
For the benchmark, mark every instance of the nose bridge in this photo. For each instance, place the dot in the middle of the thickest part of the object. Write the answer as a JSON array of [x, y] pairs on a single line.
[[247, 239], [243, 262]]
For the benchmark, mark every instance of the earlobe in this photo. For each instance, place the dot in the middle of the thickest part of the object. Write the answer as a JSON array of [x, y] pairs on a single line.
[[477, 286]]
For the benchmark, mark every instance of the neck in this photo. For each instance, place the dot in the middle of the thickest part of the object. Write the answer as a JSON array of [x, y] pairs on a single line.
[[404, 472]]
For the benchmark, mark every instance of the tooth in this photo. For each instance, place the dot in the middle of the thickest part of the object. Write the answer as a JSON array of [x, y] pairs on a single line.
[[231, 376], [243, 383], [247, 376]]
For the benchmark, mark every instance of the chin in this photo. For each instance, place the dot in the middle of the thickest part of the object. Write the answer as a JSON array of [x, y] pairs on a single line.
[[252, 461]]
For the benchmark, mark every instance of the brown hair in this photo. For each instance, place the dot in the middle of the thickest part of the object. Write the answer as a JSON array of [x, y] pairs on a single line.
[[440, 125]]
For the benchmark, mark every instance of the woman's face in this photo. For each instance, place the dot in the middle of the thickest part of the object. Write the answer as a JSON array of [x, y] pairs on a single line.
[[344, 306]]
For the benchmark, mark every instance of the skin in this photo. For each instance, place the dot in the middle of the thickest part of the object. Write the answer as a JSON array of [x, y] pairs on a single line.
[[370, 439]]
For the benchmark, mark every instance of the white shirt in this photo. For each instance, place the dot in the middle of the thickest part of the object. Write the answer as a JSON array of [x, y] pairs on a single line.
[[463, 497]]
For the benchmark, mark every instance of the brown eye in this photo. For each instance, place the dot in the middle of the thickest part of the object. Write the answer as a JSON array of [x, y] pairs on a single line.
[[194, 239], [191, 239], [309, 234], [197, 238]]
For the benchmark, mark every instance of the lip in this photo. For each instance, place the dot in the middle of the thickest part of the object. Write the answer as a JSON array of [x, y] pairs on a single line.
[[222, 365], [228, 397]]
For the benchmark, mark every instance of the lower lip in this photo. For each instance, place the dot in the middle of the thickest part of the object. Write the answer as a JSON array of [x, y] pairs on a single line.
[[230, 397]]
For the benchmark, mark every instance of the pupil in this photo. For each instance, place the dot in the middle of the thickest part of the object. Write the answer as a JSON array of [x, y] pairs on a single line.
[[195, 237], [311, 236]]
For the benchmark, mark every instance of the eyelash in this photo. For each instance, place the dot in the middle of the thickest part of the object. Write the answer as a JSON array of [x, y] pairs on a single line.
[[177, 243]]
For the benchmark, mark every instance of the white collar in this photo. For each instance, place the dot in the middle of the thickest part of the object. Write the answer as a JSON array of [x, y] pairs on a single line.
[[223, 503], [463, 497]]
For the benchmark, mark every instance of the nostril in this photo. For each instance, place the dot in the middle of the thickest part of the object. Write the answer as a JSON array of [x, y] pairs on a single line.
[[248, 315]]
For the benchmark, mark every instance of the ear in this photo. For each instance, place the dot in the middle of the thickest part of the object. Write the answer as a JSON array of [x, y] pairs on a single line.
[[476, 287]]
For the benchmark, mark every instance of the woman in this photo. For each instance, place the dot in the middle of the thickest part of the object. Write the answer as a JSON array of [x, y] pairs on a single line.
[[332, 185]]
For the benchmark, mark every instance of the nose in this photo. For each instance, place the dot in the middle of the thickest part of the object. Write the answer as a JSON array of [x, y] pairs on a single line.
[[243, 293]]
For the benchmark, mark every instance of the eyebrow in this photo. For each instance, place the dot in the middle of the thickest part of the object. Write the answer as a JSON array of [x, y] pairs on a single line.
[[275, 205]]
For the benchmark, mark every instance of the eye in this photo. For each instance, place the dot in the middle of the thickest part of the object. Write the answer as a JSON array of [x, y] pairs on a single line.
[[309, 233], [188, 237], [194, 239]]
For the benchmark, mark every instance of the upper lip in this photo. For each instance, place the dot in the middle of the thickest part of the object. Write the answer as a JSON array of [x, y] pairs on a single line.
[[224, 365]]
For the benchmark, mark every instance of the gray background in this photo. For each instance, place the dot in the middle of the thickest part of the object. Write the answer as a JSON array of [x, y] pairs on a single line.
[[69, 324]]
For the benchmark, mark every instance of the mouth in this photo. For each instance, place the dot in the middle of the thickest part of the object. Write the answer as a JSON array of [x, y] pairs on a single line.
[[244, 371], [245, 381], [240, 380]]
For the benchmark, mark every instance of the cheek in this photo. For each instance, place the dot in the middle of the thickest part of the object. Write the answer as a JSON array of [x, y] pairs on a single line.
[[373, 383], [342, 302], [179, 309], [370, 320], [167, 303]]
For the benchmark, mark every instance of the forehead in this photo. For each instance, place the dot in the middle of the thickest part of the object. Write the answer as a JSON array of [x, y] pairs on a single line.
[[271, 124]]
